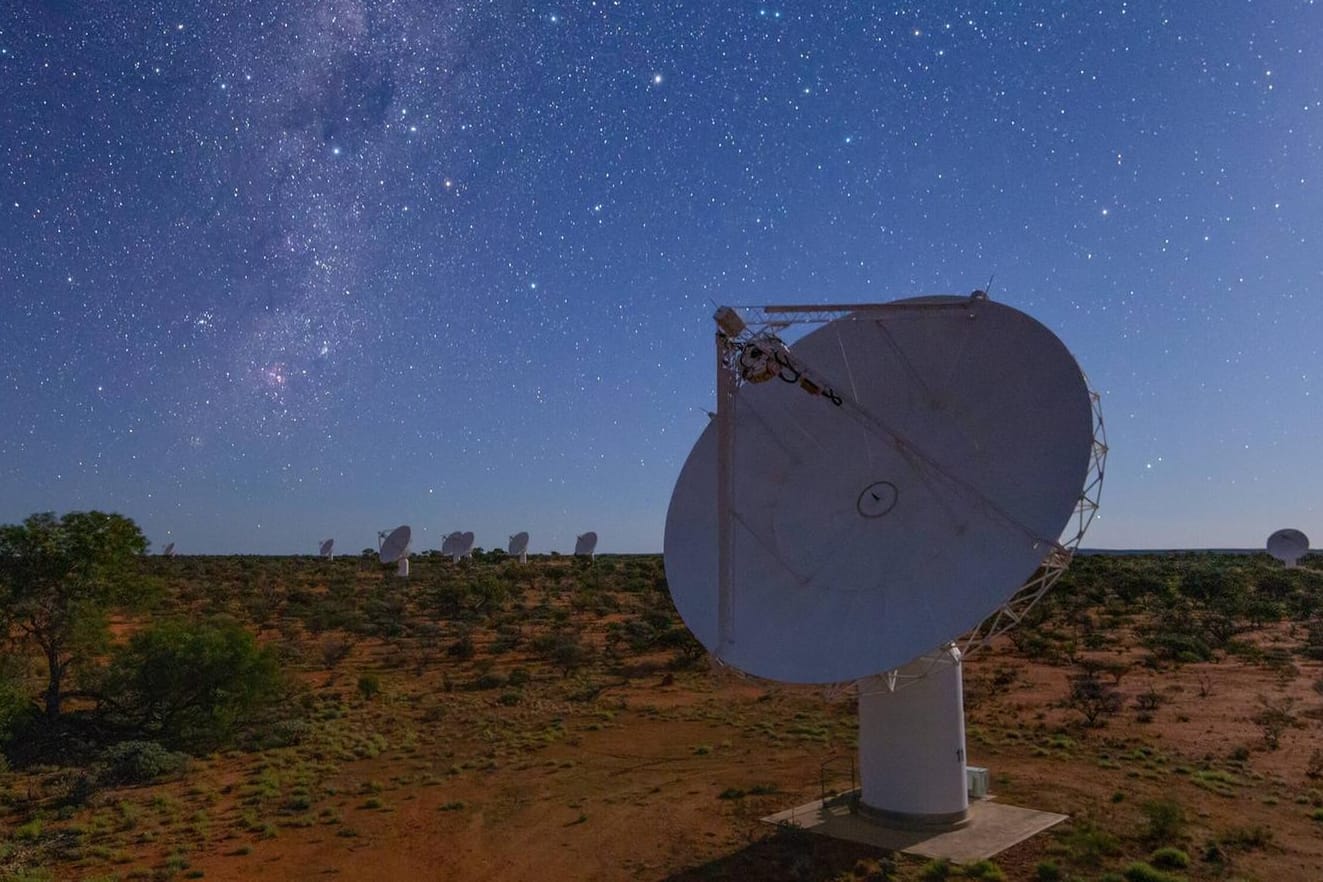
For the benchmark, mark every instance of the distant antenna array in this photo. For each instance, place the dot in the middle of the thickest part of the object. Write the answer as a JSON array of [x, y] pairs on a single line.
[[586, 545], [518, 547], [393, 547], [457, 546], [169, 550], [905, 474], [1288, 546], [327, 549]]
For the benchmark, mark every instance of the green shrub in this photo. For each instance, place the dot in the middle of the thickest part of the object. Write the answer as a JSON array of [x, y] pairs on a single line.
[[1142, 872], [564, 651], [1166, 819], [28, 832], [34, 874], [298, 803], [369, 685], [489, 680], [191, 685], [1088, 844], [1169, 858], [1048, 871], [1246, 838], [16, 708], [936, 870], [139, 762], [984, 869]]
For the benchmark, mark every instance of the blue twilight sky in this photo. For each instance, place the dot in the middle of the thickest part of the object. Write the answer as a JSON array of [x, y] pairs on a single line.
[[275, 271]]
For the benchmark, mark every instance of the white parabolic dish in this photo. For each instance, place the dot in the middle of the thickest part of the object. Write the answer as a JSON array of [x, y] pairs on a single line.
[[451, 544], [466, 543], [518, 544], [1288, 545], [867, 534], [396, 544], [326, 548], [586, 545]]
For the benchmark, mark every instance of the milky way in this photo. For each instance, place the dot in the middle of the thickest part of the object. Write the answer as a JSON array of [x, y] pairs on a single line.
[[274, 271]]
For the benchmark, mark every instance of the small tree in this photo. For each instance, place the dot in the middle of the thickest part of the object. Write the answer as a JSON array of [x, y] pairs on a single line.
[[190, 685], [1093, 698], [564, 651], [1166, 819], [1274, 718], [58, 579]]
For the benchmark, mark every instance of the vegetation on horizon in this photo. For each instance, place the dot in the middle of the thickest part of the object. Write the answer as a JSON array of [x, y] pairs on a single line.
[[293, 673]]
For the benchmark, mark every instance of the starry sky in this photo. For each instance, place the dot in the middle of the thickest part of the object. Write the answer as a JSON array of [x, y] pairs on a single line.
[[272, 272]]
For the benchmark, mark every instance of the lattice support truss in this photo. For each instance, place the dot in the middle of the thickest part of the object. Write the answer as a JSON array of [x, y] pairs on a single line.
[[1013, 612], [1086, 508]]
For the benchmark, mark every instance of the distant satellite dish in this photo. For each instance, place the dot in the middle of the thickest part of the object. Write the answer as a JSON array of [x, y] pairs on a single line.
[[327, 549], [899, 477], [169, 550], [453, 545], [1288, 546], [394, 548], [466, 545], [586, 545], [518, 547]]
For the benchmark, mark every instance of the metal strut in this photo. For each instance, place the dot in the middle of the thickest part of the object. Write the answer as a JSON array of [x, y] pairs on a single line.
[[726, 384]]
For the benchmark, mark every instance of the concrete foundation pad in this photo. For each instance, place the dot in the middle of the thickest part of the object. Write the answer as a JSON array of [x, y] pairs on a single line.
[[992, 828]]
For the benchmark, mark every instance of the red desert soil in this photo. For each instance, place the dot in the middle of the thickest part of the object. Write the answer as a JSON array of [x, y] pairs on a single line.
[[638, 766], [638, 796]]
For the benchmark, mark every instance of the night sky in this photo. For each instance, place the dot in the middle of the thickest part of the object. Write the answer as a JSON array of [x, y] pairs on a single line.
[[274, 272]]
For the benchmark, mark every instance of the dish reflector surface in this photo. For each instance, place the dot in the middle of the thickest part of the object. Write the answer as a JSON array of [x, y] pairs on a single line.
[[396, 544], [586, 544], [326, 548], [169, 550], [465, 543], [450, 545], [869, 532], [518, 544], [1288, 545]]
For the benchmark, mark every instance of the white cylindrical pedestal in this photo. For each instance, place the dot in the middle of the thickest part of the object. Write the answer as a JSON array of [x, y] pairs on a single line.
[[402, 569], [912, 745]]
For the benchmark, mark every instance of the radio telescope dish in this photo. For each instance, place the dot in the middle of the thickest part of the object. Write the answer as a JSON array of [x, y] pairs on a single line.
[[169, 550], [518, 547], [898, 481], [866, 533], [1288, 546], [327, 549], [586, 545], [457, 545], [394, 548]]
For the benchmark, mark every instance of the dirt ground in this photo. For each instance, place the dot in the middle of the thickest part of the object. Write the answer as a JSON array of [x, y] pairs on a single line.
[[662, 774], [632, 787]]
